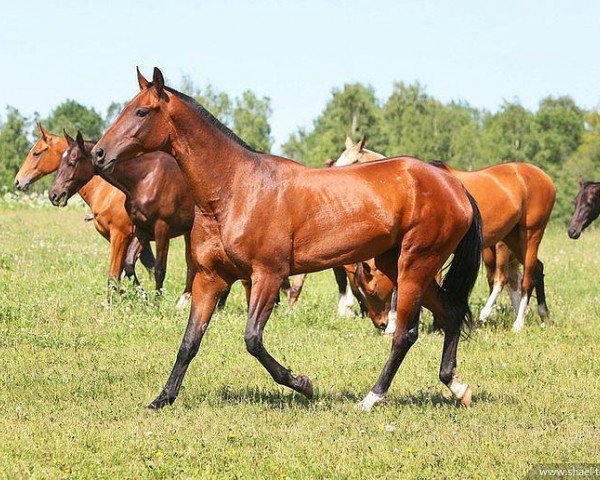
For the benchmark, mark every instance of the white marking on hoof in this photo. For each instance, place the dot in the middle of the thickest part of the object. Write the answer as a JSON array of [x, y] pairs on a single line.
[[346, 303], [520, 320], [183, 300], [369, 401], [391, 326], [461, 391], [491, 301]]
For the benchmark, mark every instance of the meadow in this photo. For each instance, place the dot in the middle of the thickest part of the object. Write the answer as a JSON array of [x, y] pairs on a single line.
[[76, 372]]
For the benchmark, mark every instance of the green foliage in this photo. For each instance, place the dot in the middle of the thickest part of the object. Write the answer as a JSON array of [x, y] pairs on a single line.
[[251, 120], [14, 145], [353, 111], [72, 116]]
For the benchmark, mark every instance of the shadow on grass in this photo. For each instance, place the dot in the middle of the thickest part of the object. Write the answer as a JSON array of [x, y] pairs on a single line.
[[278, 399]]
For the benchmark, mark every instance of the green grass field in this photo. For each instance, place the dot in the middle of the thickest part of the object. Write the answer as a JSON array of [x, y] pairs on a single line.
[[76, 374]]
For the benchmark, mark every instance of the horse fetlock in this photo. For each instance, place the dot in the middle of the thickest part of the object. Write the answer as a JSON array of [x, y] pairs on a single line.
[[461, 391], [370, 401], [303, 385], [163, 400]]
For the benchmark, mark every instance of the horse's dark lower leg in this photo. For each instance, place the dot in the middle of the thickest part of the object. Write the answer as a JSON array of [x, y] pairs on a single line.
[[190, 273], [540, 292], [161, 236], [133, 253], [448, 375], [205, 293], [404, 338], [262, 300]]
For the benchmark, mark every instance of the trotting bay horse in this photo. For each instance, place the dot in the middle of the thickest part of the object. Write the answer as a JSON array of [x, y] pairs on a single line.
[[268, 217], [587, 208], [516, 200], [106, 202], [156, 199]]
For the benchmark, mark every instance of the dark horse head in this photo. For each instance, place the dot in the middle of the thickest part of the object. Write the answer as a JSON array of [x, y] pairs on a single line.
[[74, 172], [587, 208]]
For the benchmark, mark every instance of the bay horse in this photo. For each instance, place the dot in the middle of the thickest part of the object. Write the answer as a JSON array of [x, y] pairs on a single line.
[[106, 202], [587, 208], [156, 199], [271, 217], [516, 200]]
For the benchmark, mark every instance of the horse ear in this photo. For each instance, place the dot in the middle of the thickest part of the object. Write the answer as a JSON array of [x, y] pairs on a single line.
[[367, 271], [329, 162], [158, 81], [79, 139], [362, 143], [68, 138], [349, 142], [142, 82], [42, 131]]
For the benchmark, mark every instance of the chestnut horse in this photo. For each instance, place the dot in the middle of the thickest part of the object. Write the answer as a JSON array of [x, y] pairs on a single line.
[[272, 217], [106, 202], [516, 200], [156, 199], [587, 208]]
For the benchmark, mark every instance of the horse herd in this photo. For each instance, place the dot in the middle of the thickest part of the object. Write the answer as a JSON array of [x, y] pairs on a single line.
[[387, 226]]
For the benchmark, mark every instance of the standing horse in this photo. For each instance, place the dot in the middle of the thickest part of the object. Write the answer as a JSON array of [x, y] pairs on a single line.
[[516, 200], [106, 202], [156, 199], [273, 217], [587, 208]]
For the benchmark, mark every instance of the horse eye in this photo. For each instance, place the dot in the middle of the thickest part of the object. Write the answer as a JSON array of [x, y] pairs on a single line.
[[36, 154], [141, 112]]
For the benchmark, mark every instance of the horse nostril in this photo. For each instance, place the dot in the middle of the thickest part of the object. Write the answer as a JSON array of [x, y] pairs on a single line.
[[100, 155]]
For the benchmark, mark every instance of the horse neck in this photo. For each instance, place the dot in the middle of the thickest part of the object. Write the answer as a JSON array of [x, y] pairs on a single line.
[[210, 161], [126, 175]]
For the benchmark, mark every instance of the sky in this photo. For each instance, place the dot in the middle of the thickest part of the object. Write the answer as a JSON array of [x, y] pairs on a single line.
[[296, 52]]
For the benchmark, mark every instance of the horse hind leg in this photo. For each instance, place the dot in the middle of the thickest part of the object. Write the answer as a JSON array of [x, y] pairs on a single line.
[[345, 298], [540, 293], [264, 292], [190, 273]]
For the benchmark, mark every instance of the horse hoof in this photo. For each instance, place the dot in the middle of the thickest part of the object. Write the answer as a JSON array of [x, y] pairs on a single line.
[[517, 328], [160, 402], [367, 403], [305, 386], [465, 401]]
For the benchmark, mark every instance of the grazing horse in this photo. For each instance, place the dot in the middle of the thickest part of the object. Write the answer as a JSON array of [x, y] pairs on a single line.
[[587, 208], [106, 202], [269, 217], [516, 200], [156, 199]]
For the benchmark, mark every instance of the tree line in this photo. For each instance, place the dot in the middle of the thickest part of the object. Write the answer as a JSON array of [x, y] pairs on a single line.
[[560, 137]]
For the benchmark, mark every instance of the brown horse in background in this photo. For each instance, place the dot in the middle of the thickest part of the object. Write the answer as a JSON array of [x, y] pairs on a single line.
[[156, 199], [273, 217], [106, 202], [587, 208], [516, 200]]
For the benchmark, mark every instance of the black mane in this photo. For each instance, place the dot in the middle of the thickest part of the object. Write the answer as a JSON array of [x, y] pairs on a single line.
[[210, 118]]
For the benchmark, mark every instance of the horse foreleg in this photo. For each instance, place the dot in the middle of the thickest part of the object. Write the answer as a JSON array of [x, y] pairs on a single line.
[[500, 269], [118, 249], [161, 237], [265, 289], [345, 299], [206, 291], [190, 273], [133, 252], [296, 288]]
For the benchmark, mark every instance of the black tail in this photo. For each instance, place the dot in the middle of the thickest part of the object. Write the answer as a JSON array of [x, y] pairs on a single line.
[[147, 257], [463, 271]]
